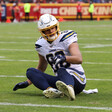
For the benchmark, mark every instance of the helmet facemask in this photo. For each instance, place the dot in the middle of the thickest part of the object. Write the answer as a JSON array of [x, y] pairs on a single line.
[[50, 36]]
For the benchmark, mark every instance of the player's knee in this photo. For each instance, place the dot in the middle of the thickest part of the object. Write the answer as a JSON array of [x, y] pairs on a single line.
[[61, 70], [31, 72]]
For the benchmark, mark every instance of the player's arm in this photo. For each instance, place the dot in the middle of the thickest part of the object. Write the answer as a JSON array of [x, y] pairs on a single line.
[[76, 57], [42, 65]]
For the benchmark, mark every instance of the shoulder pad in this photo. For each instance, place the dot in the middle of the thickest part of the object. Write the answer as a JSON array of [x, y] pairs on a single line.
[[68, 34]]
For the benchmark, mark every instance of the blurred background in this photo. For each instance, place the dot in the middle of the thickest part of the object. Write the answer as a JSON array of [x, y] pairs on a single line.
[[31, 10]]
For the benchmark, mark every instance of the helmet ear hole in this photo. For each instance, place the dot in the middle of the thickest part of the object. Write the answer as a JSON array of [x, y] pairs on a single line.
[[56, 27], [43, 32]]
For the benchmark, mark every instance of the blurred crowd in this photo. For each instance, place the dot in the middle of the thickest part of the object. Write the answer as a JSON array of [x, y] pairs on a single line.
[[57, 1], [16, 10]]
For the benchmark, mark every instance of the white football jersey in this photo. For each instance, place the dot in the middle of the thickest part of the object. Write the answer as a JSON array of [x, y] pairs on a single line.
[[58, 47]]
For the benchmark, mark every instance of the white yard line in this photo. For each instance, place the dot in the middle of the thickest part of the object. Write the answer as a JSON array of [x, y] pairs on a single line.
[[2, 56], [97, 45], [4, 42], [99, 79], [35, 50], [21, 76], [93, 38], [18, 60], [55, 106], [96, 52], [18, 76], [100, 63], [17, 50]]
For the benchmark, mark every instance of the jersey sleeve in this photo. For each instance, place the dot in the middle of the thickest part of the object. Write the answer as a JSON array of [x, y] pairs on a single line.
[[69, 38], [38, 46]]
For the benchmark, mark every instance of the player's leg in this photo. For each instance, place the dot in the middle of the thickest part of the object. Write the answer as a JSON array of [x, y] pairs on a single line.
[[44, 82], [77, 16], [71, 82], [21, 85], [79, 79], [78, 87], [66, 83], [38, 78], [80, 15], [64, 76]]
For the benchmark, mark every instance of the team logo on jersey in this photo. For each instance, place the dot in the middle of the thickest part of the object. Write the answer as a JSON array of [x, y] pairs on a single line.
[[37, 46], [67, 36]]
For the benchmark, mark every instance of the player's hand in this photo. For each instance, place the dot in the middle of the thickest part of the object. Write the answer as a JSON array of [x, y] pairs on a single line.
[[20, 85], [59, 60]]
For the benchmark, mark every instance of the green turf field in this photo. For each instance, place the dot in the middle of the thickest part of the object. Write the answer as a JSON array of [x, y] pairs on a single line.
[[17, 53]]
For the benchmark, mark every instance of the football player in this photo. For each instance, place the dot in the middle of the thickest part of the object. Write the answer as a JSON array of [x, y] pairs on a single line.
[[60, 50]]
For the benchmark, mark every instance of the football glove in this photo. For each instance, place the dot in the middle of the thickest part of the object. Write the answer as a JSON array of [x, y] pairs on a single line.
[[59, 59], [20, 85]]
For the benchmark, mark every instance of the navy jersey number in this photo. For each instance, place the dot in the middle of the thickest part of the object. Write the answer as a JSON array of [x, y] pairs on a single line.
[[50, 59]]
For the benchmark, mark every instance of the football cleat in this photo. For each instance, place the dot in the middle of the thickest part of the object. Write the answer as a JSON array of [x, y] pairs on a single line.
[[52, 93], [66, 89]]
